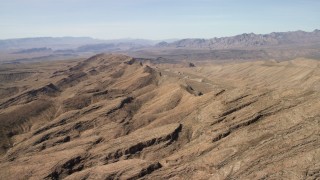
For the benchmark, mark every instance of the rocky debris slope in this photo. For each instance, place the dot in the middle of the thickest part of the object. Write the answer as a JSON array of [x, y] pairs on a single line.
[[113, 117]]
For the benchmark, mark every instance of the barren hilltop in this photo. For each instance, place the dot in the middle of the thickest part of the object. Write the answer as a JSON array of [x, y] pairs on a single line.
[[117, 117]]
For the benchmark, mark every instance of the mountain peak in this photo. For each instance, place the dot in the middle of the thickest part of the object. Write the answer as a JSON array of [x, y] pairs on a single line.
[[250, 40]]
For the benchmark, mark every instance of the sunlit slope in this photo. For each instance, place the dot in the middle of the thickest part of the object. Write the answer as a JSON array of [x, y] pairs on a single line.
[[111, 116]]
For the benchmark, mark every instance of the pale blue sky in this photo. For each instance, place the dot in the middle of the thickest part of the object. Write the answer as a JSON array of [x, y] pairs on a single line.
[[154, 19]]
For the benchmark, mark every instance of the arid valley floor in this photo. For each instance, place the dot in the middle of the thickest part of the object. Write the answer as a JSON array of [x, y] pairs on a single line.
[[116, 117]]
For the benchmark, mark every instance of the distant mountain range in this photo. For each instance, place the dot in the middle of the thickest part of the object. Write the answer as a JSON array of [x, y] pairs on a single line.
[[295, 38], [276, 45], [242, 41], [62, 43]]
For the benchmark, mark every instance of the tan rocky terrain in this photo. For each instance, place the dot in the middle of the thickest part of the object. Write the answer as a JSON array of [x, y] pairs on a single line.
[[114, 117]]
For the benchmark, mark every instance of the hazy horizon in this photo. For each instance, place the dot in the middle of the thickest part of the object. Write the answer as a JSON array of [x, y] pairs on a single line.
[[132, 38], [154, 19]]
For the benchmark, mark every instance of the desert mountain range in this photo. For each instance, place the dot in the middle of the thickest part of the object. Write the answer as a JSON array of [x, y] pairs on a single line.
[[277, 45], [113, 116], [243, 41]]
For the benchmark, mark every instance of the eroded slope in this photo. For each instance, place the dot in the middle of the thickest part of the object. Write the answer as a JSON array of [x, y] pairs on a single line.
[[113, 117]]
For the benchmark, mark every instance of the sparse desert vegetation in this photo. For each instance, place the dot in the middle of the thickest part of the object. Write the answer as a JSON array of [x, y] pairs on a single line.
[[159, 89], [117, 117]]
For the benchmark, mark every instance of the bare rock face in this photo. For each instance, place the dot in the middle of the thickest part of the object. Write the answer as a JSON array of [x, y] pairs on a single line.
[[125, 169], [112, 117]]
